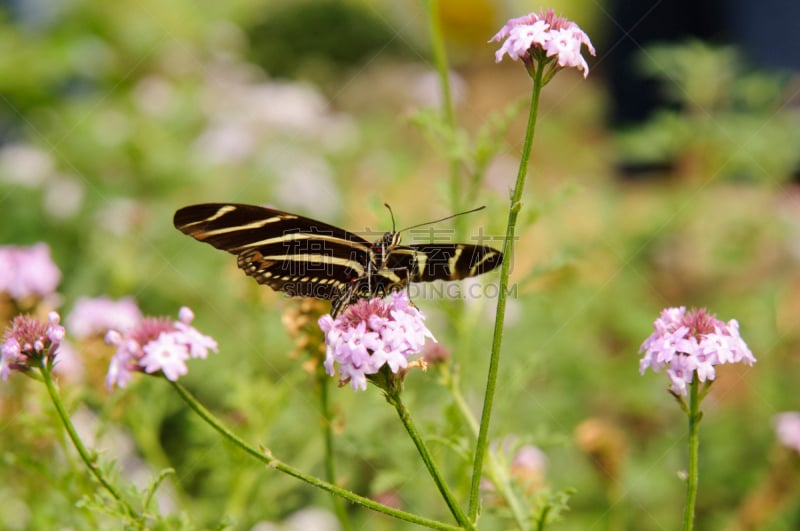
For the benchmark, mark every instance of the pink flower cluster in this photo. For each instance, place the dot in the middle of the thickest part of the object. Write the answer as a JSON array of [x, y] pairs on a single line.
[[787, 427], [97, 316], [542, 36], [156, 344], [371, 334], [693, 342], [28, 271], [29, 341]]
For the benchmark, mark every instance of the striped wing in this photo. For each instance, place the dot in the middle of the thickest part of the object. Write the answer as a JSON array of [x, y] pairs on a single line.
[[289, 253], [449, 261], [421, 263], [434, 261]]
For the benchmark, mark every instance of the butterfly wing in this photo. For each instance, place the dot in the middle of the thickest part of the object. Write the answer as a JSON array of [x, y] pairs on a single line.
[[289, 253], [444, 261]]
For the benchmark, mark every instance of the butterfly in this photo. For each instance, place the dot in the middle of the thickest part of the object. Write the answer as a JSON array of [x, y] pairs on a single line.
[[300, 256]]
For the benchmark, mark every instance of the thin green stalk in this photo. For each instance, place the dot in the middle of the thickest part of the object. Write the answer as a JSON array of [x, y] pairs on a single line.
[[405, 418], [90, 461], [497, 337], [451, 381], [694, 445], [540, 523], [456, 192], [330, 470], [272, 462], [494, 473], [440, 61]]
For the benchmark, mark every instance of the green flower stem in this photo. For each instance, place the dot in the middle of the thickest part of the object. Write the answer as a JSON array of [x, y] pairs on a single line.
[[440, 60], [508, 249], [267, 458], [542, 520], [502, 483], [456, 186], [394, 399], [330, 469], [451, 381], [90, 461], [694, 444]]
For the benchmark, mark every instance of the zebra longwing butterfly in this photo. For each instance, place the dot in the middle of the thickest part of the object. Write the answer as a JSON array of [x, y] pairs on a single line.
[[300, 256]]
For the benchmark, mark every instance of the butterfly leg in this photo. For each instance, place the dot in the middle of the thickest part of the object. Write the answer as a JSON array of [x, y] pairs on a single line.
[[343, 299]]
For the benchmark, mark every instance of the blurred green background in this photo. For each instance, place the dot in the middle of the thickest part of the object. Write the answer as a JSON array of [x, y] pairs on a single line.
[[113, 115]]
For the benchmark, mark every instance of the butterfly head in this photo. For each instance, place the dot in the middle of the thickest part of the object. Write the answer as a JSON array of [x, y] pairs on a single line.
[[388, 241]]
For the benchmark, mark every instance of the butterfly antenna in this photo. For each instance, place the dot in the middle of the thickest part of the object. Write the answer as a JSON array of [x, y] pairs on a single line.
[[439, 220], [391, 214]]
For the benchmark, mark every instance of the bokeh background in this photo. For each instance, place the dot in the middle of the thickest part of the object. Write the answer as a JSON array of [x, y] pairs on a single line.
[[667, 178]]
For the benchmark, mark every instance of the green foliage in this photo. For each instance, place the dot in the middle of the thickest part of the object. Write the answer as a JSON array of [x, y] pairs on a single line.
[[300, 37], [732, 122]]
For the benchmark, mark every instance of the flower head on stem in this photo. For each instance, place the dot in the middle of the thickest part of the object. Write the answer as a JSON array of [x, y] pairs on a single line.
[[537, 40], [28, 342], [544, 37], [373, 334], [156, 344], [689, 343]]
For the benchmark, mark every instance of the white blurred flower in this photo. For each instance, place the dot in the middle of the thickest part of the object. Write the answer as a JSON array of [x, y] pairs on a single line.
[[25, 165], [118, 216], [288, 105], [314, 518], [426, 89], [63, 196], [501, 173], [225, 142], [153, 95], [338, 132], [245, 116], [300, 171]]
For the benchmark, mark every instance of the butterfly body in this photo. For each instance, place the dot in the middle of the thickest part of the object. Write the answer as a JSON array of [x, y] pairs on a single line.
[[300, 256]]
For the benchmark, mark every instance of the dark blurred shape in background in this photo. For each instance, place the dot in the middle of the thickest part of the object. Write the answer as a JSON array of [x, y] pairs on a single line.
[[767, 33], [763, 38]]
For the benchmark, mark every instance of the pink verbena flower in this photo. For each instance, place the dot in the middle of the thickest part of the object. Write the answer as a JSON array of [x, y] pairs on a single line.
[[693, 342], [28, 342], [529, 458], [787, 427], [544, 37], [28, 271], [371, 334], [524, 464], [99, 315], [156, 344]]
